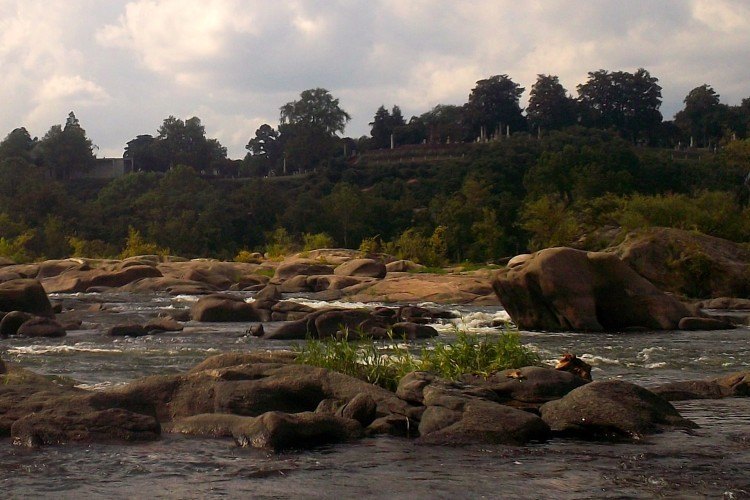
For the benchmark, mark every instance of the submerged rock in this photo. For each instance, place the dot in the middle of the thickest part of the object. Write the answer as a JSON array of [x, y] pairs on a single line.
[[611, 408]]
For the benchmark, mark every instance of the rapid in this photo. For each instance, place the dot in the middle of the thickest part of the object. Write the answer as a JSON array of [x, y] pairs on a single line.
[[711, 461]]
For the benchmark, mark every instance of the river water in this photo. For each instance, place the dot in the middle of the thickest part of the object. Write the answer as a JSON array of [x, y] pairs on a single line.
[[712, 461]]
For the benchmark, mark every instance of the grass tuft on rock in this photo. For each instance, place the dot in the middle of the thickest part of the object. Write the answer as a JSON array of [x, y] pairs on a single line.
[[385, 363]]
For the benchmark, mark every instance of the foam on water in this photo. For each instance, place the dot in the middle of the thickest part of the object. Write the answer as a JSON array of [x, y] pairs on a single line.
[[60, 349]]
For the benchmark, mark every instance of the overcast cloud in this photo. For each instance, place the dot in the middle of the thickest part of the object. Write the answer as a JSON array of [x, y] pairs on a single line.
[[124, 66]]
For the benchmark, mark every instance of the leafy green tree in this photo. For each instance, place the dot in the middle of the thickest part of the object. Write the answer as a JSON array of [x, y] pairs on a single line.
[[185, 143], [264, 151], [445, 123], [316, 108], [146, 154], [385, 124], [18, 143], [550, 107], [494, 105], [626, 102], [704, 117], [67, 151], [345, 205]]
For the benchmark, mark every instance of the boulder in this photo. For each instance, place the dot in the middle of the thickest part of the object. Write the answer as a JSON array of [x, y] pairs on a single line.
[[163, 325], [277, 431], [3, 368], [55, 426], [223, 308], [331, 282], [403, 266], [698, 323], [733, 385], [687, 262], [300, 267], [416, 288], [41, 327], [334, 256], [413, 331], [25, 295], [368, 268], [459, 414], [528, 385], [295, 284], [129, 330], [81, 281], [12, 321], [731, 303], [568, 289], [361, 408], [611, 408]]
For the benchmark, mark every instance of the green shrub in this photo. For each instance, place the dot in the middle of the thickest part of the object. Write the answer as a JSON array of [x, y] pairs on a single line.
[[95, 249], [15, 248], [318, 240], [245, 256], [385, 363], [137, 245], [280, 243]]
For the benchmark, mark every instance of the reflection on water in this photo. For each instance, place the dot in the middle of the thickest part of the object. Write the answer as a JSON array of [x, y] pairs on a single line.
[[713, 461]]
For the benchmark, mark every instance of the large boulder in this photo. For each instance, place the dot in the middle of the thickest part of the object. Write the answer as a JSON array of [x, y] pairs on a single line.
[[223, 308], [732, 385], [528, 385], [12, 321], [277, 431], [41, 327], [300, 267], [568, 289], [687, 262], [368, 268], [611, 408], [55, 426], [76, 280], [456, 413], [25, 295]]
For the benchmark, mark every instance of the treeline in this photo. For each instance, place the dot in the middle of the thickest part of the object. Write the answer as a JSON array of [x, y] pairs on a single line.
[[500, 198]]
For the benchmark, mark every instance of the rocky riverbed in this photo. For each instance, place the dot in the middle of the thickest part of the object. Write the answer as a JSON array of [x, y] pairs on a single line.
[[131, 367]]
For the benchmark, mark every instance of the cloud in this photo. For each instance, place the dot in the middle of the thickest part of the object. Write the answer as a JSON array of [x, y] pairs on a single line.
[[125, 65]]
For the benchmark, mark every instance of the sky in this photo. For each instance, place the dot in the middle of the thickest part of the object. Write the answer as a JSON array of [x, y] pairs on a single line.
[[124, 66]]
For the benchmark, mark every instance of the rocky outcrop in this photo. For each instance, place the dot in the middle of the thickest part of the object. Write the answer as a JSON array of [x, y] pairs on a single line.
[[76, 280], [55, 426], [262, 399], [25, 295], [733, 385], [611, 408], [687, 262], [223, 308], [368, 268], [567, 289]]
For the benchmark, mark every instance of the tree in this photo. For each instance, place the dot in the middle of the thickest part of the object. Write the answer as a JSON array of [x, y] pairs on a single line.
[[384, 125], [703, 117], [627, 102], [146, 154], [316, 108], [17, 144], [445, 122], [550, 107], [264, 150], [493, 105], [308, 128], [66, 151], [185, 143]]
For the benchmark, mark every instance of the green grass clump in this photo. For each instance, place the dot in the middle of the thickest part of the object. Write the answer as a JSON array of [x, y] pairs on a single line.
[[385, 363]]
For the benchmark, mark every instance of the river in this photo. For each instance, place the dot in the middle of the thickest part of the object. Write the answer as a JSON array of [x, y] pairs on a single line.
[[712, 461]]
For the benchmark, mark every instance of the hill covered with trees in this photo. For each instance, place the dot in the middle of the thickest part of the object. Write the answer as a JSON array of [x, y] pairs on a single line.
[[477, 182]]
